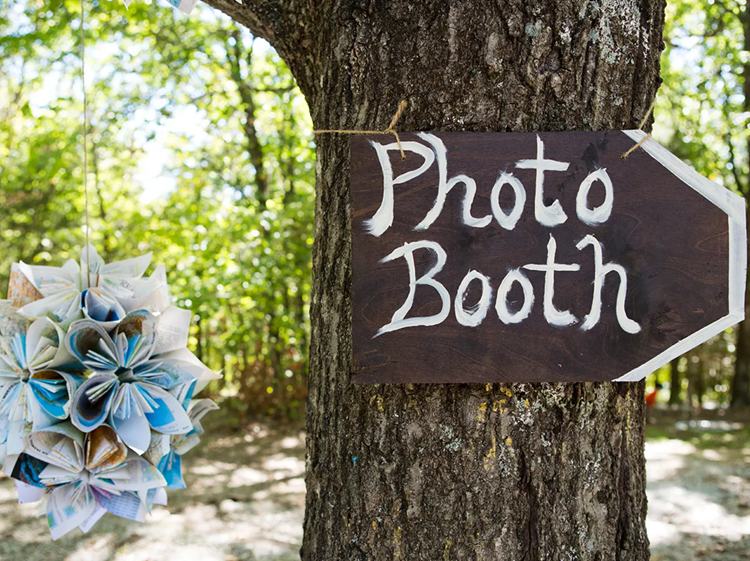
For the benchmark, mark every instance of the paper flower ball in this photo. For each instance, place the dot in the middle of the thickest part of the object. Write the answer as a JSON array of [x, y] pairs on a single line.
[[96, 389]]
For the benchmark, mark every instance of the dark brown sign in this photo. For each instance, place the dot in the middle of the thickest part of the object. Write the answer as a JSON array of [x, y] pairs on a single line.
[[523, 257]]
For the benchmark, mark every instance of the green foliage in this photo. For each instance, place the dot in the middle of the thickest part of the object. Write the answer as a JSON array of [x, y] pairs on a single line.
[[702, 114], [233, 226]]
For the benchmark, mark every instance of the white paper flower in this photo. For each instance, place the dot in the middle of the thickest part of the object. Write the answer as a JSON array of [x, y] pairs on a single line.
[[106, 294], [36, 381]]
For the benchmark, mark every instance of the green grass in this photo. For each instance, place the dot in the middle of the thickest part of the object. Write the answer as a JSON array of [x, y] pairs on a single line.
[[734, 437]]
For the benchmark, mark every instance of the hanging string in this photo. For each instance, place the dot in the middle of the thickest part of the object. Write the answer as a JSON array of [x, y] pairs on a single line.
[[390, 129], [640, 127], [85, 123]]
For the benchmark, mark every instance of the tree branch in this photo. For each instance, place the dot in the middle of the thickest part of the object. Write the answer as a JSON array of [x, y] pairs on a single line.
[[265, 18], [287, 24]]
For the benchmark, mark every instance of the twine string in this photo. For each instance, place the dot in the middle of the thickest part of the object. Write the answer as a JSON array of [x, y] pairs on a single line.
[[642, 124], [85, 123], [390, 129]]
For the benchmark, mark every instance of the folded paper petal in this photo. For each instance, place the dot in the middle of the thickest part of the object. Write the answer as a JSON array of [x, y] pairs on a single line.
[[92, 401], [119, 279], [159, 447], [199, 408], [170, 467], [90, 344], [158, 496], [184, 393], [44, 341], [15, 411], [133, 267], [185, 6], [60, 446], [28, 469], [186, 361], [104, 449], [27, 347], [172, 329], [125, 505], [52, 280], [52, 476], [166, 415], [95, 516], [28, 493], [11, 323], [92, 263], [182, 444], [102, 308], [139, 328], [20, 289], [134, 429], [63, 306], [134, 474], [167, 374], [68, 508], [16, 436], [150, 293], [51, 393]]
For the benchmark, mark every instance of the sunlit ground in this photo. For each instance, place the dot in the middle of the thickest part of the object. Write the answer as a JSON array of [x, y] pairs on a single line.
[[699, 491], [245, 502]]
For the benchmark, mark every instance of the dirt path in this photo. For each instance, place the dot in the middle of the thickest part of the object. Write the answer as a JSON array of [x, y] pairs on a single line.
[[245, 502], [699, 491]]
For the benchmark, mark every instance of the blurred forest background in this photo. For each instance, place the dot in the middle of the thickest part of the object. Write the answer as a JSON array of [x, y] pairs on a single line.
[[201, 151]]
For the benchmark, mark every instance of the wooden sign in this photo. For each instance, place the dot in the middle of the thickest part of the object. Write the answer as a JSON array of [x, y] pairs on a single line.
[[523, 257]]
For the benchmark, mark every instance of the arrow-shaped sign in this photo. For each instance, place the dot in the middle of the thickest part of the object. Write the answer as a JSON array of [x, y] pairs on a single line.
[[524, 257]]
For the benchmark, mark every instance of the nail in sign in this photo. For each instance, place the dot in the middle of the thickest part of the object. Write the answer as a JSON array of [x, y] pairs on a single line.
[[524, 257]]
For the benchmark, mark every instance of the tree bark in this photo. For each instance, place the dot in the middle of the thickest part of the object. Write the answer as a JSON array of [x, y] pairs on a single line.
[[460, 472]]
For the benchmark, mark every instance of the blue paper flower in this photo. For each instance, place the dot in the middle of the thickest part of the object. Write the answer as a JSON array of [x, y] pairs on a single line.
[[132, 388], [37, 379]]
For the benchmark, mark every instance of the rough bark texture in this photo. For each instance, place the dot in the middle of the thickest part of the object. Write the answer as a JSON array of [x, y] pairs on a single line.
[[455, 472]]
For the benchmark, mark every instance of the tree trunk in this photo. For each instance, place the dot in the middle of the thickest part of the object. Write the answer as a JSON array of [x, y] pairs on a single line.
[[675, 382], [461, 472], [695, 381]]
